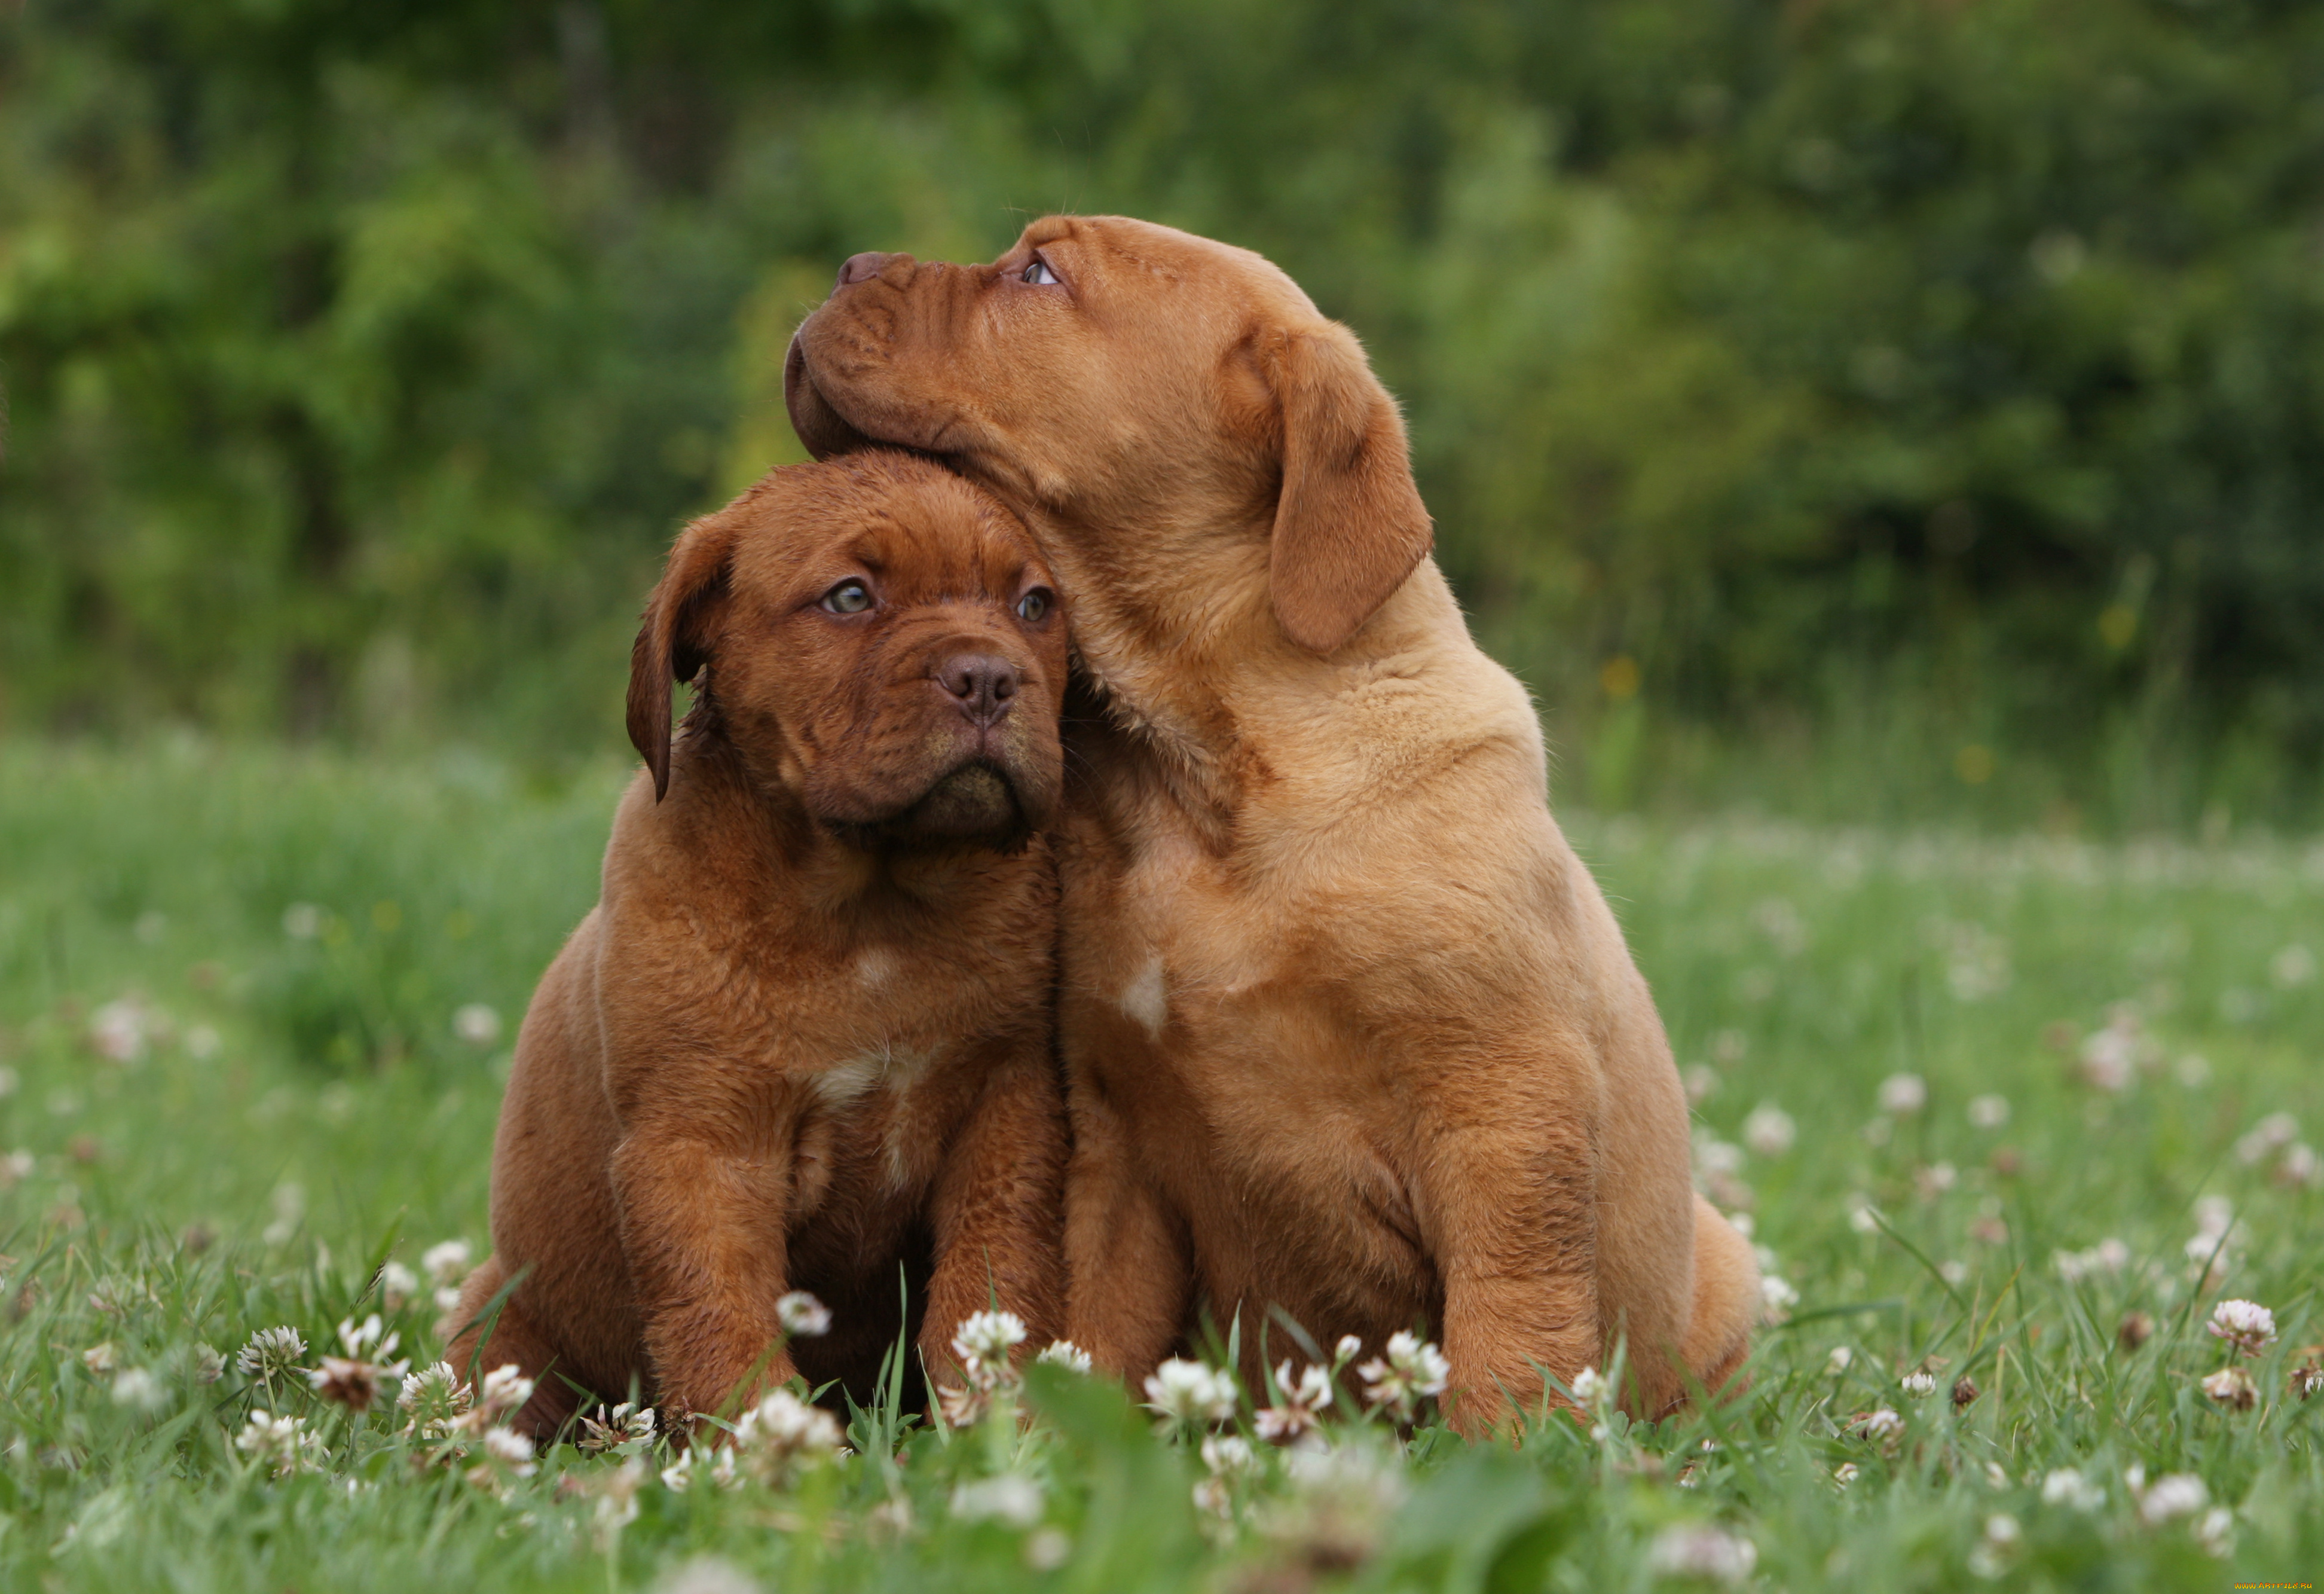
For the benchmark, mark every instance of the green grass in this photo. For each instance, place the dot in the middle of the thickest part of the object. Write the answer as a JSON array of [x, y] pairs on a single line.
[[282, 1111]]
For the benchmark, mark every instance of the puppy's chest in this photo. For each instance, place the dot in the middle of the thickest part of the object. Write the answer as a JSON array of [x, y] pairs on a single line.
[[1193, 989], [882, 1073]]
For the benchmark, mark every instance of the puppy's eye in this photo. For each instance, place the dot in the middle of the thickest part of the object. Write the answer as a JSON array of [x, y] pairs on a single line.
[[849, 597], [1035, 605], [1039, 274]]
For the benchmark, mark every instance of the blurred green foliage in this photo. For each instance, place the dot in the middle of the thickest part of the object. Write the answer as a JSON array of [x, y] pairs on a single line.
[[1937, 382]]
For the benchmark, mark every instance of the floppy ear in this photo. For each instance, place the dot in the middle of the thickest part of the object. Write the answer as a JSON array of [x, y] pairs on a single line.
[[674, 641], [1350, 525]]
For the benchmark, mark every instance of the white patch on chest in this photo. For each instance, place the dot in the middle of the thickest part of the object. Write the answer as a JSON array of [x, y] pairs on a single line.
[[1146, 999], [875, 967], [843, 1083]]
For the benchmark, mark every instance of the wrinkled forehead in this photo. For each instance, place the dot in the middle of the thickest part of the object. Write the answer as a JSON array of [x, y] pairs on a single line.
[[924, 532], [1116, 250]]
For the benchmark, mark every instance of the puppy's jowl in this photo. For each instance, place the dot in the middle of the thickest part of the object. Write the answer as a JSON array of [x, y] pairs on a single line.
[[1350, 1036], [802, 1041]]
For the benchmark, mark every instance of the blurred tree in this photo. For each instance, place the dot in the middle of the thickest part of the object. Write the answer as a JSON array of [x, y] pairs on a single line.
[[1906, 373]]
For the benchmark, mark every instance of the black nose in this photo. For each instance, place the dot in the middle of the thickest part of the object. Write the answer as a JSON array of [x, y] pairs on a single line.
[[863, 267], [984, 686]]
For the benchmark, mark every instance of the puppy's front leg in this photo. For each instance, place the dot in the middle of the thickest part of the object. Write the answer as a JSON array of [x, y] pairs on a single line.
[[998, 1209], [703, 1227], [1129, 1272], [1512, 1197]]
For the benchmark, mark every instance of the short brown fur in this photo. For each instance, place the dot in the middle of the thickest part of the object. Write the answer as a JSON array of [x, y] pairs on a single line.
[[1350, 1033], [804, 1038]]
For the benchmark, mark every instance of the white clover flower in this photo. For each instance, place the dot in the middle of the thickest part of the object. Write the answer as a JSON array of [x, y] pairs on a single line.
[[1861, 1217], [2214, 1214], [1190, 1393], [118, 1031], [2247, 1325], [135, 1386], [2215, 1531], [1591, 1387], [1009, 1497], [509, 1449], [775, 1440], [281, 1443], [1346, 1350], [2267, 1137], [2232, 1387], [1990, 1556], [2110, 1056], [1881, 1426], [1902, 1095], [505, 1389], [986, 1338], [1989, 1112], [678, 1475], [1299, 1404], [357, 1338], [1702, 1552], [2067, 1486], [99, 1358], [1717, 1159], [1412, 1370], [2176, 1494], [302, 921], [432, 1400], [2300, 1168], [272, 1353], [2295, 964], [353, 1382], [205, 1364], [1769, 1131], [1064, 1353], [1840, 1360], [1919, 1386], [1228, 1454], [625, 1424], [1846, 1473], [477, 1024], [445, 1262], [397, 1286], [802, 1316], [1776, 1297]]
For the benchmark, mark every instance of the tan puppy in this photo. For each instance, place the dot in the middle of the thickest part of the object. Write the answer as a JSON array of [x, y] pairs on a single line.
[[1350, 1033], [804, 1038]]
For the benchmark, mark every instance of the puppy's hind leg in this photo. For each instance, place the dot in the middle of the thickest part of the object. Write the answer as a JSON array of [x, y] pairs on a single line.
[[508, 1336], [1727, 1303]]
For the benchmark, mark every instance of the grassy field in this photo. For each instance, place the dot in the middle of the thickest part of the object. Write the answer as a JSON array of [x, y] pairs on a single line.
[[1985, 1099]]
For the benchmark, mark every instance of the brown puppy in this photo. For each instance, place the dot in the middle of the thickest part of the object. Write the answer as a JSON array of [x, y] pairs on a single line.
[[804, 1038], [1350, 1033]]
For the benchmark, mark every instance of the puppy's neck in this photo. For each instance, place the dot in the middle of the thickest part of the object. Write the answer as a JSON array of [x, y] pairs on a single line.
[[1174, 628]]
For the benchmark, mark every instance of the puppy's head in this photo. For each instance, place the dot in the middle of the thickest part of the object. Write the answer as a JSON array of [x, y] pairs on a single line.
[[877, 636], [1125, 376]]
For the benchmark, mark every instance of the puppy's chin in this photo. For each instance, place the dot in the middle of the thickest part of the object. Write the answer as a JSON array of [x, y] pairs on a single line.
[[821, 427], [974, 805]]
